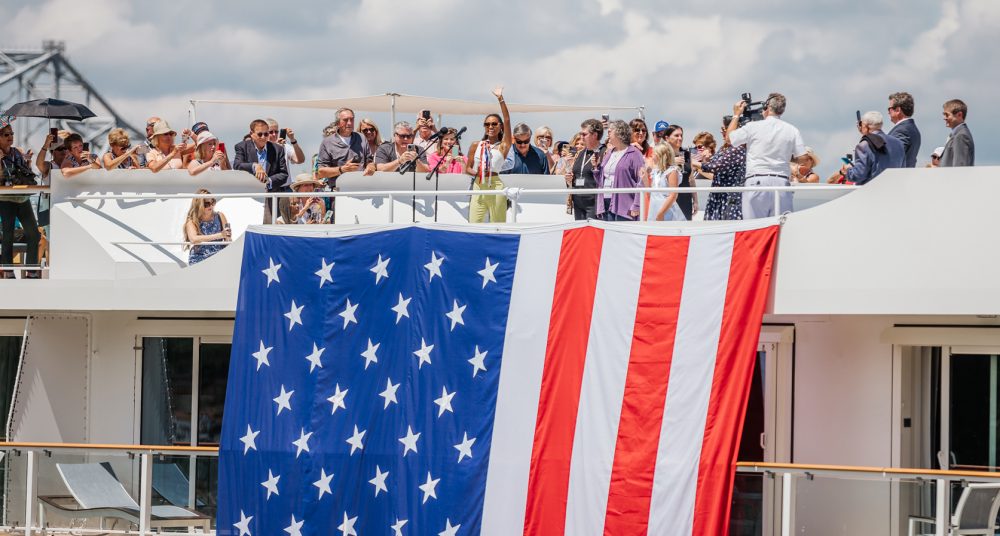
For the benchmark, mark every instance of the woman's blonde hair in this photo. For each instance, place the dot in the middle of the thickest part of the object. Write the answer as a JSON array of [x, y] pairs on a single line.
[[663, 156], [194, 215], [542, 130], [378, 136], [118, 137]]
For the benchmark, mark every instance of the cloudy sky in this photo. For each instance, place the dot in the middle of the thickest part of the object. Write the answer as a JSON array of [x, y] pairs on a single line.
[[687, 63]]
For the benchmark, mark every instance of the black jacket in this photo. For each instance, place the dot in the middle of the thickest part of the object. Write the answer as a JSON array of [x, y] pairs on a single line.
[[277, 168]]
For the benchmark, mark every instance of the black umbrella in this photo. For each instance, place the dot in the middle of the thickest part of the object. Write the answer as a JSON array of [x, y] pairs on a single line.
[[51, 109]]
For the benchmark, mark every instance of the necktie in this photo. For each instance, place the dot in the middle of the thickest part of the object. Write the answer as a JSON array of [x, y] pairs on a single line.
[[262, 159]]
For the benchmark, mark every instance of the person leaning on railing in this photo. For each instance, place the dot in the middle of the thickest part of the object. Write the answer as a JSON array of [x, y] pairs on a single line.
[[165, 153], [77, 161], [121, 154], [204, 224], [15, 170], [207, 155]]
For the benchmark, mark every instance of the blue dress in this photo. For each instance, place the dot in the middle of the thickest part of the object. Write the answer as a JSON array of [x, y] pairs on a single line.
[[200, 253]]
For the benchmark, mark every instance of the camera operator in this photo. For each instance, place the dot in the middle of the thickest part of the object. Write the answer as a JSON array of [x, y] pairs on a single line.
[[875, 153], [772, 145], [15, 170]]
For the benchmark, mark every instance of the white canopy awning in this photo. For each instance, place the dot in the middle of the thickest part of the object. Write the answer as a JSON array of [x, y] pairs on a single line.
[[395, 102]]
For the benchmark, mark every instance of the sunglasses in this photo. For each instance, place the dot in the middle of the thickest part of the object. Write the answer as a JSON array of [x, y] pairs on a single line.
[[405, 136], [522, 142], [272, 131], [934, 157], [641, 130], [7, 134], [491, 124], [699, 147], [368, 130], [544, 136], [209, 203], [261, 134]]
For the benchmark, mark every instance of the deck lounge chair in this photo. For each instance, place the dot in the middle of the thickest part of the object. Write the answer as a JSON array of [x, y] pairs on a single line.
[[97, 493], [975, 514]]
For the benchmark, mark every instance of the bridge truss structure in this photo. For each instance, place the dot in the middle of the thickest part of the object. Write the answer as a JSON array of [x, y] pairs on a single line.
[[38, 74]]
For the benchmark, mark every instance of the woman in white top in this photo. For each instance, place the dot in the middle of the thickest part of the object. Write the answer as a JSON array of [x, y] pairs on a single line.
[[164, 153], [489, 158], [208, 155], [664, 174]]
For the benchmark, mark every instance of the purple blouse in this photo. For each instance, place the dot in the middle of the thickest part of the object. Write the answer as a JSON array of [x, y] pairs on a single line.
[[626, 176]]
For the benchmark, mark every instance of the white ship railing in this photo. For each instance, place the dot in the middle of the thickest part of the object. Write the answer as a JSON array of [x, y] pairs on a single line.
[[791, 475], [513, 194], [36, 454], [788, 475]]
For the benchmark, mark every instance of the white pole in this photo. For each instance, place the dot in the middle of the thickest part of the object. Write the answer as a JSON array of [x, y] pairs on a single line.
[[943, 509], [392, 110], [274, 210], [145, 491], [787, 504], [392, 209], [29, 495], [193, 113]]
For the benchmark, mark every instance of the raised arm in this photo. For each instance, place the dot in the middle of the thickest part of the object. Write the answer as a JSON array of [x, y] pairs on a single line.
[[506, 140]]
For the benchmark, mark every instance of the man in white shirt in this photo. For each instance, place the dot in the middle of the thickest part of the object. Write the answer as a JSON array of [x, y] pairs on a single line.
[[772, 145]]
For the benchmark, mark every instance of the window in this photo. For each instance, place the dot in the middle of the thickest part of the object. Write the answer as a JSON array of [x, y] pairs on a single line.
[[183, 395]]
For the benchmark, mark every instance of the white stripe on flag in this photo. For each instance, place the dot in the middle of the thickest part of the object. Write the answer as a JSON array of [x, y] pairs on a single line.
[[699, 322], [603, 385], [520, 383]]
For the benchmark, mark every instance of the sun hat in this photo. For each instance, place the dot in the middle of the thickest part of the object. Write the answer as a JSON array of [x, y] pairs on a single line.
[[305, 178], [6, 120], [162, 127], [205, 137], [938, 152], [812, 155]]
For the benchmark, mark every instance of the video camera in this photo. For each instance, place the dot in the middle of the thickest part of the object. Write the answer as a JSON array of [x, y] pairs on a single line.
[[754, 111]]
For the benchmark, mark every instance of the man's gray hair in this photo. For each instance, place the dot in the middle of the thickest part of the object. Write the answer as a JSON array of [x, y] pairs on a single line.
[[621, 129], [271, 122], [521, 129], [873, 120], [336, 115], [401, 124], [775, 103]]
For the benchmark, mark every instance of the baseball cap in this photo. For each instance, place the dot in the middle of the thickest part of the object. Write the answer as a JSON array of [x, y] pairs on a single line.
[[199, 127], [938, 152], [661, 126]]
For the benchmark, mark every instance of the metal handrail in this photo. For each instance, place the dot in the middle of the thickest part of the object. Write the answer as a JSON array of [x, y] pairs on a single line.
[[156, 449]]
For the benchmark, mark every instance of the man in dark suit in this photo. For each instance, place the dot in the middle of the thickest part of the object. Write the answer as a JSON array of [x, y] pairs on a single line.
[[959, 150], [264, 160], [905, 130]]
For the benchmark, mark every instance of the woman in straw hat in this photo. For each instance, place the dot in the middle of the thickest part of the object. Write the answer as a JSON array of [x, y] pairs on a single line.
[[164, 153], [805, 172], [310, 209]]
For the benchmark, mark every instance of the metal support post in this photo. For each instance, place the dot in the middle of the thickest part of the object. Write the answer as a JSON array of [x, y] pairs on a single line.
[[787, 504], [31, 478], [145, 491], [943, 509], [274, 209], [392, 209]]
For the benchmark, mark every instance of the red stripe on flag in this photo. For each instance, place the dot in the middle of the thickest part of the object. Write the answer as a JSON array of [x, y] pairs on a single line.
[[646, 386], [565, 353], [746, 296]]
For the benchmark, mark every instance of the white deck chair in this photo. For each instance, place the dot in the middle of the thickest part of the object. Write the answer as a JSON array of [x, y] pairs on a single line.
[[975, 514], [97, 493]]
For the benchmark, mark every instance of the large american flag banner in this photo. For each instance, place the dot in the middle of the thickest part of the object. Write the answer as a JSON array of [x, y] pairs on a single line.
[[579, 379]]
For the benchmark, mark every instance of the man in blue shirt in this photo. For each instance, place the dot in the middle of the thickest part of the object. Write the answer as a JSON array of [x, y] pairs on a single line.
[[876, 152], [528, 159]]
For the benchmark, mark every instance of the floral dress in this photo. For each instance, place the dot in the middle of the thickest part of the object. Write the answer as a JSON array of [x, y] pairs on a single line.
[[200, 253], [729, 166]]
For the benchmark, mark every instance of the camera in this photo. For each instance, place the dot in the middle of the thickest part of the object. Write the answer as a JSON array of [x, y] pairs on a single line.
[[19, 176], [754, 111]]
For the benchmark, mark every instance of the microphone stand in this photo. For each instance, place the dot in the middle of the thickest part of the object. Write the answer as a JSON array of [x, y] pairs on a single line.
[[412, 166], [436, 173]]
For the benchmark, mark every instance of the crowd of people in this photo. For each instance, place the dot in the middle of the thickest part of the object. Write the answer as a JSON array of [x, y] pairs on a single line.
[[753, 147]]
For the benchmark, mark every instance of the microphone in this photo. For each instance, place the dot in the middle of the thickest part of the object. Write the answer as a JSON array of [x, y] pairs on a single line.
[[460, 132], [438, 134]]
